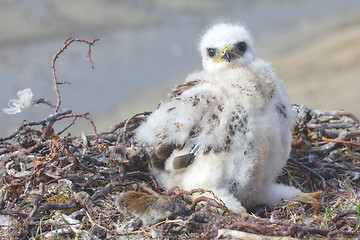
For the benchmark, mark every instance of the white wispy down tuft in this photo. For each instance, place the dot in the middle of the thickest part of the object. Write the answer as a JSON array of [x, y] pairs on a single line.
[[24, 101]]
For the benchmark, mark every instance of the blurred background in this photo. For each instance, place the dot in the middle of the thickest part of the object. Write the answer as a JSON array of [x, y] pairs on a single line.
[[147, 47]]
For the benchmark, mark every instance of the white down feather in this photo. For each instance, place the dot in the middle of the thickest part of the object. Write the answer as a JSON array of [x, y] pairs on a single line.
[[244, 174]]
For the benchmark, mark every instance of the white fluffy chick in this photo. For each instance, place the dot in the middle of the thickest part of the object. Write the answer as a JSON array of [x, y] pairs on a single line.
[[227, 128]]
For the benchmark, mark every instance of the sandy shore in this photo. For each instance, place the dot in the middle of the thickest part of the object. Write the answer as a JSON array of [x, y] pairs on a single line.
[[325, 72]]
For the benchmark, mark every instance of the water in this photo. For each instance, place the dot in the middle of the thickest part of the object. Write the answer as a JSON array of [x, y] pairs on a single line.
[[146, 47]]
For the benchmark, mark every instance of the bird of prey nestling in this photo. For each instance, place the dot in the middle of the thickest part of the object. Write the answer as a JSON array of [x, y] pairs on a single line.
[[227, 128]]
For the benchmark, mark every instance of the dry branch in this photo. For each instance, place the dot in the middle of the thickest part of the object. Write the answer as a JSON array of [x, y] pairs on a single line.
[[56, 56]]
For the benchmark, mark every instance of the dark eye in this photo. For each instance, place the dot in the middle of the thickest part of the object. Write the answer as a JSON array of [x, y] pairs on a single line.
[[211, 52], [241, 46]]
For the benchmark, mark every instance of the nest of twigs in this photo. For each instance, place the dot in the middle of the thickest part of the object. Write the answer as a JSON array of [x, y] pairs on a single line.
[[65, 187]]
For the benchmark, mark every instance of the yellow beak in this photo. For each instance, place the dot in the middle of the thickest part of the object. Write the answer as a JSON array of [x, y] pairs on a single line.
[[227, 54]]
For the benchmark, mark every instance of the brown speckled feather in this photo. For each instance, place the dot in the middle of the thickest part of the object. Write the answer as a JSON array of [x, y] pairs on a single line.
[[161, 152], [180, 88]]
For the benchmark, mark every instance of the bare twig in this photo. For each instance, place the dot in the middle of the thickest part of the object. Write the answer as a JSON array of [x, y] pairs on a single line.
[[125, 128], [338, 113], [36, 201], [84, 200], [67, 43], [13, 213], [331, 234], [210, 201], [234, 234], [278, 229], [321, 178], [342, 142], [105, 190], [58, 206], [143, 175], [344, 214], [82, 116], [341, 137], [35, 123], [45, 101]]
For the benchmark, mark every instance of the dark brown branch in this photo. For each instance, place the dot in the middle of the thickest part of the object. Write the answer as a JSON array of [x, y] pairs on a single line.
[[321, 178], [210, 201], [337, 113], [82, 199], [331, 234], [67, 43], [82, 116], [177, 192], [58, 206], [35, 123], [74, 160], [67, 127], [125, 128], [142, 175], [13, 213], [105, 190], [36, 201], [45, 101], [277, 229], [85, 201], [344, 214]]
